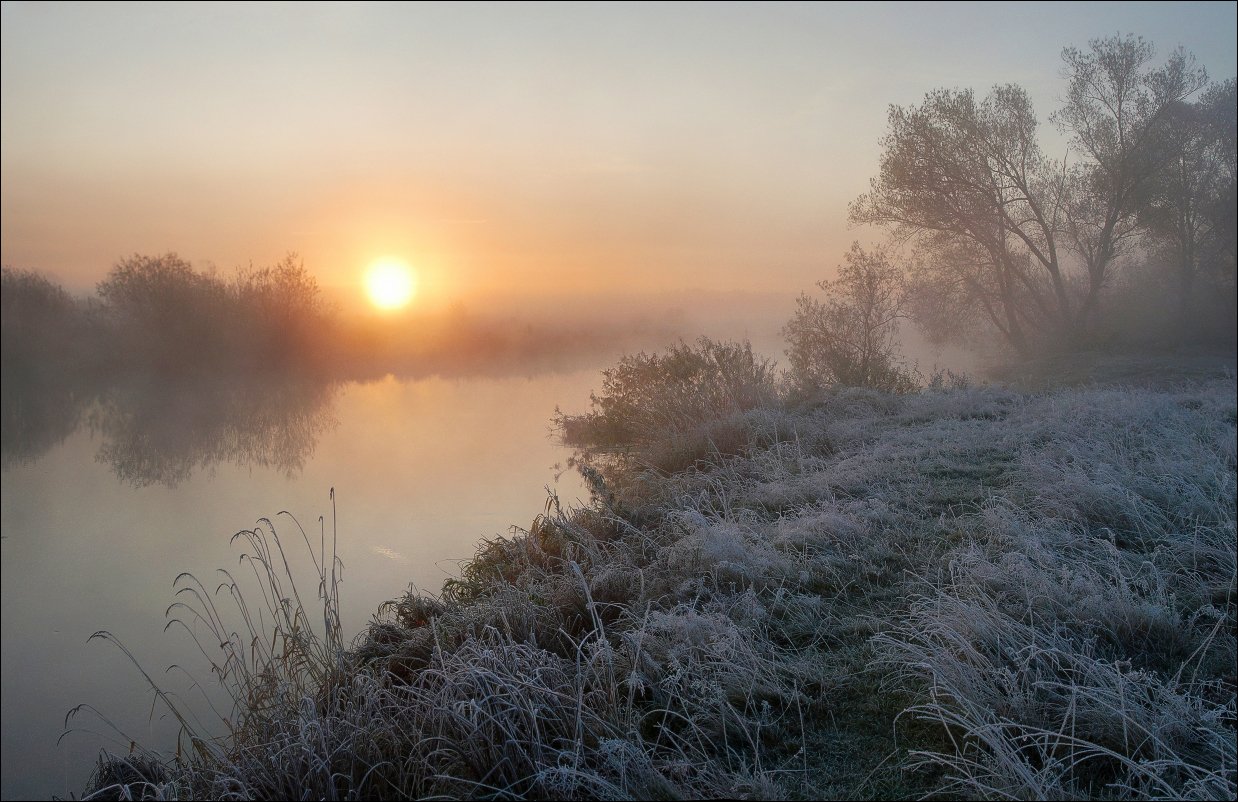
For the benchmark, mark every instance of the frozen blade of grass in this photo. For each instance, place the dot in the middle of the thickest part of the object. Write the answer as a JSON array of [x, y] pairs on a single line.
[[199, 744]]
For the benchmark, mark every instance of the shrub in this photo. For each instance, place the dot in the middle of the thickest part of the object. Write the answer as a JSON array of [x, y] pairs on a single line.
[[851, 337], [670, 409]]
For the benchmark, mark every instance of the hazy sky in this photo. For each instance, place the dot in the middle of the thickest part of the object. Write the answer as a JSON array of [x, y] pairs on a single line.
[[499, 148]]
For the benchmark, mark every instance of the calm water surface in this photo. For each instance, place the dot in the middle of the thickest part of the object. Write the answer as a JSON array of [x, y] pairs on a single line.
[[97, 526]]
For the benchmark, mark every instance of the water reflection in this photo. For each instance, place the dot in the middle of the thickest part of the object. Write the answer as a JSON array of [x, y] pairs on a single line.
[[424, 468], [177, 370], [39, 412], [160, 430], [162, 433]]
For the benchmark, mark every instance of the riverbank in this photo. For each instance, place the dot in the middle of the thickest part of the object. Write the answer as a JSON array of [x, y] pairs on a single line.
[[977, 591]]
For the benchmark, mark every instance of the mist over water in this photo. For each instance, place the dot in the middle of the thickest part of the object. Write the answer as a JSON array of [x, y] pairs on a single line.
[[117, 481], [725, 266], [140, 432], [97, 526], [125, 468]]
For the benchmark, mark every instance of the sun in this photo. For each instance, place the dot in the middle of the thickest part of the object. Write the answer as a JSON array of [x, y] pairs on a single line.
[[390, 283]]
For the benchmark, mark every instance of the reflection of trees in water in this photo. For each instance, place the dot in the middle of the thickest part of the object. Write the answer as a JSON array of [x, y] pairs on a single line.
[[161, 432], [43, 385], [182, 370], [39, 413], [179, 370]]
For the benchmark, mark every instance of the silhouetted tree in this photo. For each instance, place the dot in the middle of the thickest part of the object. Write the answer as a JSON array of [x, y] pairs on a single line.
[[40, 323], [1219, 248], [965, 177], [164, 316], [285, 317], [1189, 202], [1006, 237], [45, 380], [1174, 210], [1220, 115]]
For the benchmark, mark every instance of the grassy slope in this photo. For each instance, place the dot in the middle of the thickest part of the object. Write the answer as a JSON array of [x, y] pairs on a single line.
[[980, 591]]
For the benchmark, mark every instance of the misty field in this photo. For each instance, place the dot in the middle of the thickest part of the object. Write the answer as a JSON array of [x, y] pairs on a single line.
[[977, 591]]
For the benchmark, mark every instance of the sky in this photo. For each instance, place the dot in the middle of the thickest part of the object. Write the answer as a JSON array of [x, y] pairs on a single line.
[[516, 150]]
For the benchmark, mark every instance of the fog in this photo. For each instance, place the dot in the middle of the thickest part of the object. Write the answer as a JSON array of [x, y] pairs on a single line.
[[716, 245], [173, 371]]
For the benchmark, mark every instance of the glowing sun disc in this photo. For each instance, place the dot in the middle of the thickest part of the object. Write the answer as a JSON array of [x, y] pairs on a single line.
[[390, 283]]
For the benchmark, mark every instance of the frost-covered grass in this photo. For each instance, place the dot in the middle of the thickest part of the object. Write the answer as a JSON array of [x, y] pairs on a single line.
[[975, 592]]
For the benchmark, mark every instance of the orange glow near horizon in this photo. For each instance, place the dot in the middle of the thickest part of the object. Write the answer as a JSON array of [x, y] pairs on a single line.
[[390, 284], [592, 149]]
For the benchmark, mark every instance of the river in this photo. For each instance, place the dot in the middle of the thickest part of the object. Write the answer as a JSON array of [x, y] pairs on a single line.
[[103, 507]]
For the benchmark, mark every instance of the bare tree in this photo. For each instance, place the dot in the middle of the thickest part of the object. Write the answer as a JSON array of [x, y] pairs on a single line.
[[963, 177], [1220, 245], [1190, 203], [1116, 106], [851, 337], [1012, 239]]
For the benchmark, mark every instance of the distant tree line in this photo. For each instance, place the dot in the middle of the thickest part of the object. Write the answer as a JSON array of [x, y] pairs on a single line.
[[175, 368], [1129, 236], [171, 367], [159, 316], [156, 314]]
